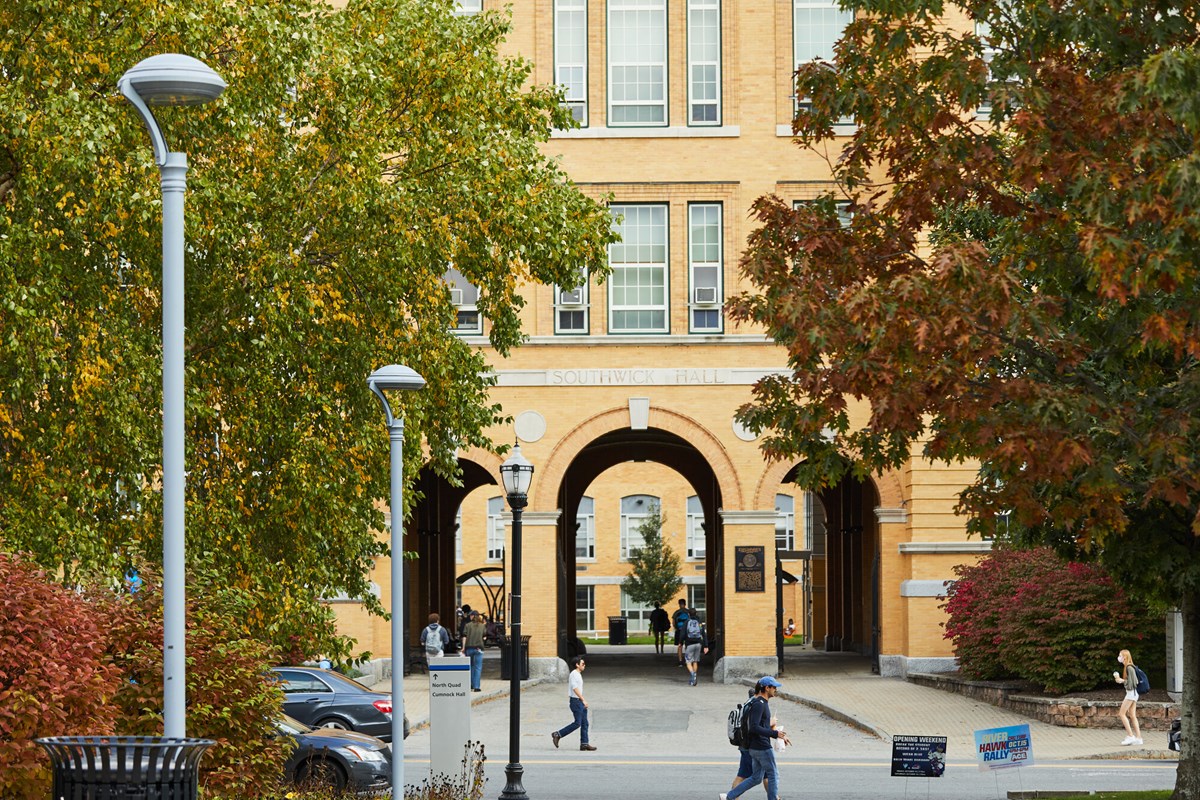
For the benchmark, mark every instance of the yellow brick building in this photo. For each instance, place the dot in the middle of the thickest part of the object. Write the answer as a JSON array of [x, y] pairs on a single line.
[[625, 394]]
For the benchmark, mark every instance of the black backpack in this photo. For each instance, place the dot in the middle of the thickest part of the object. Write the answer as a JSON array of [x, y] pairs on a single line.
[[1143, 683]]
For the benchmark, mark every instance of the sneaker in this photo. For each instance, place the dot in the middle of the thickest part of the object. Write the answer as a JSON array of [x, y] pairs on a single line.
[[555, 737], [1128, 740], [721, 796], [587, 747]]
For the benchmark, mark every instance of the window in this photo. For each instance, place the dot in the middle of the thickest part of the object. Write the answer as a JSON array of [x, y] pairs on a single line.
[[585, 609], [704, 266], [841, 208], [637, 288], [695, 528], [585, 534], [570, 55], [785, 522], [458, 538], [637, 62], [814, 524], [635, 510], [697, 595], [704, 62], [464, 295], [816, 26], [571, 308], [495, 529], [983, 29], [468, 6], [637, 614]]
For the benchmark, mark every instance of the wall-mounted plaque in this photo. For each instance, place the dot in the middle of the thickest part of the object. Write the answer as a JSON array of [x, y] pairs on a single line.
[[750, 568]]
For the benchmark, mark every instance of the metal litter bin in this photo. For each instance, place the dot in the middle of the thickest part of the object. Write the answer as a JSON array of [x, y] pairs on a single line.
[[125, 767], [506, 658], [618, 630]]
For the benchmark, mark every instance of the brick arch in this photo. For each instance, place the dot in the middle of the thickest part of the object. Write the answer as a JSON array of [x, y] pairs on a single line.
[[887, 485], [567, 449], [489, 461]]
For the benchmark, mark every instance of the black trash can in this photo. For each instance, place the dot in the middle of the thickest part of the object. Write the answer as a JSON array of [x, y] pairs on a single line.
[[506, 658], [125, 767], [618, 630]]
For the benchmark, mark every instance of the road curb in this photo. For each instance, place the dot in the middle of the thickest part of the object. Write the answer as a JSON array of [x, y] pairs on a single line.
[[833, 712]]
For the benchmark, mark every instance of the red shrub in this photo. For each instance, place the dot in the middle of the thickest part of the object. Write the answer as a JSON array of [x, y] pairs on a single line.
[[54, 678]]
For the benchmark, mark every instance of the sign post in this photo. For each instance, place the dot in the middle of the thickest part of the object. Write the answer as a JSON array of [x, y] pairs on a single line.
[[449, 714]]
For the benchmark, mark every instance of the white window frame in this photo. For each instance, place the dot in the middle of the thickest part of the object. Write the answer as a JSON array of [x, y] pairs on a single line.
[[585, 517], [458, 537], [588, 609], [826, 54], [465, 297], [697, 598], [983, 29], [785, 521], [565, 12], [695, 301], [635, 612], [844, 216], [635, 509], [582, 308], [622, 270], [696, 537], [641, 11], [495, 530], [697, 11], [464, 8]]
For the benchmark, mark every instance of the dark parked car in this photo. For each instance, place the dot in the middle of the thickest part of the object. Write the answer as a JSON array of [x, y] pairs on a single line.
[[321, 698], [336, 759], [1175, 736]]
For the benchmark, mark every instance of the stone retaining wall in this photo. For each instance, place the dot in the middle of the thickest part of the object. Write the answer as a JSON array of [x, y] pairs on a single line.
[[1071, 712]]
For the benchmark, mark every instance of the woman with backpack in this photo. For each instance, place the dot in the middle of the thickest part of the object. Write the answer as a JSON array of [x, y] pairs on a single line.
[[1129, 678]]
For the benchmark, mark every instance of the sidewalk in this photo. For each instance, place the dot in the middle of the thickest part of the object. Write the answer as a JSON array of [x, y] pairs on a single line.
[[842, 686]]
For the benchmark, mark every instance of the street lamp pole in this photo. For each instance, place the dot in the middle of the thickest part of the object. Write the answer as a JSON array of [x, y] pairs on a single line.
[[398, 378], [517, 473], [172, 79]]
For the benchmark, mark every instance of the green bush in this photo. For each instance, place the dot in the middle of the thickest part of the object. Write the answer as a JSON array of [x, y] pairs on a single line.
[[54, 678], [1031, 614]]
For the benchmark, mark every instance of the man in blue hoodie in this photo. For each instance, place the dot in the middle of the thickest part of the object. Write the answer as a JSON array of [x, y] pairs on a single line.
[[757, 716]]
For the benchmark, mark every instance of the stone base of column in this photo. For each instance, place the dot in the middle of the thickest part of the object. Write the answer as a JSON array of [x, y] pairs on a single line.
[[900, 666], [549, 669], [733, 669]]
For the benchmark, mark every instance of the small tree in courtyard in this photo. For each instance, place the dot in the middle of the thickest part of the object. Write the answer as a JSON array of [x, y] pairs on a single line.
[[654, 576]]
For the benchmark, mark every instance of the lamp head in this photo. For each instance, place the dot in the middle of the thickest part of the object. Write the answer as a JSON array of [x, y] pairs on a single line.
[[393, 377], [172, 79], [517, 474]]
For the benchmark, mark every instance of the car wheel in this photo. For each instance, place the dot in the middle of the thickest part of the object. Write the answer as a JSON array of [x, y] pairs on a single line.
[[335, 723], [321, 773]]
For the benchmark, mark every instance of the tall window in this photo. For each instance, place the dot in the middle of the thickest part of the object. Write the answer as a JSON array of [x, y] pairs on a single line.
[[637, 613], [816, 26], [585, 534], [468, 6], [637, 62], [571, 307], [570, 55], [704, 62], [814, 524], [704, 265], [983, 29], [465, 296], [635, 509], [637, 288], [458, 534], [585, 609], [785, 522], [495, 529], [695, 528], [698, 599]]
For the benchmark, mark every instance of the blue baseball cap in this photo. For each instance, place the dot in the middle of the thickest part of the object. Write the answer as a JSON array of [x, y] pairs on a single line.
[[767, 680]]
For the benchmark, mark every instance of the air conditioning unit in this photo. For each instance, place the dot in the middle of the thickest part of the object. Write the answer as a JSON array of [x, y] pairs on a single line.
[[456, 297], [574, 297], [704, 294]]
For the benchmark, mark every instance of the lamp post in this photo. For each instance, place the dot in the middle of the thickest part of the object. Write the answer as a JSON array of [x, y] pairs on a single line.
[[396, 378], [517, 473], [171, 79]]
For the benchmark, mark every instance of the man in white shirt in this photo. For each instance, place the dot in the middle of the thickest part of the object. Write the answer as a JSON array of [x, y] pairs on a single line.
[[579, 708]]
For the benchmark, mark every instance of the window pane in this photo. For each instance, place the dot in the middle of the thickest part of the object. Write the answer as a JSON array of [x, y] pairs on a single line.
[[638, 285], [704, 62], [637, 68]]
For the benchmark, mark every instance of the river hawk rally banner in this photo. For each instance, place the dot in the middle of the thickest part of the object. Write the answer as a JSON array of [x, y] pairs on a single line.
[[998, 748]]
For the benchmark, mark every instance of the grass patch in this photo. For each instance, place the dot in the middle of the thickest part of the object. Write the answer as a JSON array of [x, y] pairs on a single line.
[[1154, 795], [630, 640]]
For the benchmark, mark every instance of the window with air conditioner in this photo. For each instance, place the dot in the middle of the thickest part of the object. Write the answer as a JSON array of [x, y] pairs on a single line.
[[464, 295], [571, 308], [705, 267]]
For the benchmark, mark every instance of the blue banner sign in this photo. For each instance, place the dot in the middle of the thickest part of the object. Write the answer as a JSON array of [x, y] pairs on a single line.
[[998, 748]]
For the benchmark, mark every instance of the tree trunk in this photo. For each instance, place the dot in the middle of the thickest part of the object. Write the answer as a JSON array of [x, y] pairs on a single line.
[[1187, 778]]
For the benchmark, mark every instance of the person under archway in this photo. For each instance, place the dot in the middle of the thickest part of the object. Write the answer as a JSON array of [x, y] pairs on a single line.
[[660, 623]]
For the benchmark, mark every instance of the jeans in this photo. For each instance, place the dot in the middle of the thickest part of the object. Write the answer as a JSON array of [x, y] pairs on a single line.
[[764, 767], [581, 722], [476, 656]]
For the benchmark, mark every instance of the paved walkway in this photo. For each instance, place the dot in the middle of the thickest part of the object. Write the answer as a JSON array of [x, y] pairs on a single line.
[[842, 686]]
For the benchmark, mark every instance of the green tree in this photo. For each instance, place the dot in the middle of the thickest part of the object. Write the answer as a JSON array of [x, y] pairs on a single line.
[[654, 568], [1020, 290], [356, 155]]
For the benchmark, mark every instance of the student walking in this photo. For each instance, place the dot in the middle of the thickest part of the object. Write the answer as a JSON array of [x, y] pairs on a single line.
[[1128, 711], [473, 633], [579, 708], [695, 644], [679, 621], [434, 638], [660, 623], [758, 726]]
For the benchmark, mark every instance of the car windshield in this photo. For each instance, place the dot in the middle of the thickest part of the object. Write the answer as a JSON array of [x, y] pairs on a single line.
[[291, 726]]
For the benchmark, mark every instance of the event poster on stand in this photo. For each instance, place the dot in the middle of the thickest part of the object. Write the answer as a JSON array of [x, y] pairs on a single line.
[[999, 748], [918, 756]]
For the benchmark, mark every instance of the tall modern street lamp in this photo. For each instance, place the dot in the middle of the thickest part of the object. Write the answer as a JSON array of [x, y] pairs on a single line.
[[517, 474], [171, 79], [396, 378]]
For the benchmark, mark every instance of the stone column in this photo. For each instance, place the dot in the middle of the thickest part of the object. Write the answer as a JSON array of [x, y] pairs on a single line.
[[749, 612], [539, 588]]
